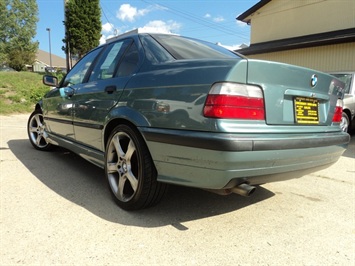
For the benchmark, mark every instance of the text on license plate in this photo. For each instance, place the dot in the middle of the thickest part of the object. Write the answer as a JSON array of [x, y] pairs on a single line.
[[306, 110]]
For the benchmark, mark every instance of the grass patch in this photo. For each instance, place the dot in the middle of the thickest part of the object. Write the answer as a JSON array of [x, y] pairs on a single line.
[[20, 91]]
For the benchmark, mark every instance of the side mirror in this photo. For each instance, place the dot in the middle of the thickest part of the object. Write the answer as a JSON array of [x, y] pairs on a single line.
[[50, 81]]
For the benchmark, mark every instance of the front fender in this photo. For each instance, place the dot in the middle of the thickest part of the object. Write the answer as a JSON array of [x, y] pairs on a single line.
[[39, 106]]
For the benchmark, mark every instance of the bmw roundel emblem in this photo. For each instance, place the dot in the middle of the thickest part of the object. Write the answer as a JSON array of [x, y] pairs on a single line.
[[314, 80]]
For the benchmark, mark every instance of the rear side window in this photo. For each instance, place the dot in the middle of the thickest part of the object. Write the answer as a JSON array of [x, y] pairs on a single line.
[[154, 51], [129, 62]]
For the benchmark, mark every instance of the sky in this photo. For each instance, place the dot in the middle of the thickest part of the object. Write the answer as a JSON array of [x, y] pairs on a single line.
[[209, 20]]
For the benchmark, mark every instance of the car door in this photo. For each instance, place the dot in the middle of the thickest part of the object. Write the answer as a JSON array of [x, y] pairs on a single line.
[[95, 99], [58, 106]]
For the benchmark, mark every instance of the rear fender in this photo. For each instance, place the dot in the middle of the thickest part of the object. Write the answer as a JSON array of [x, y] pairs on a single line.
[[122, 115]]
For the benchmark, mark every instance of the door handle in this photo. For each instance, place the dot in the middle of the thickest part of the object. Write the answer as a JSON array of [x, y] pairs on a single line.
[[110, 89]]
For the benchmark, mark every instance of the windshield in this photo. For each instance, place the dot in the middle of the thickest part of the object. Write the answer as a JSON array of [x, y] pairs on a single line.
[[188, 48]]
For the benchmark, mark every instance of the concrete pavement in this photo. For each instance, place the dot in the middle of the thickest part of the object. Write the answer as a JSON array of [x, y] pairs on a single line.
[[56, 209]]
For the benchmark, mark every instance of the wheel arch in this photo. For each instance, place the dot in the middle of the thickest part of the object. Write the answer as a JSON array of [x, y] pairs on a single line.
[[348, 113], [123, 115], [39, 106]]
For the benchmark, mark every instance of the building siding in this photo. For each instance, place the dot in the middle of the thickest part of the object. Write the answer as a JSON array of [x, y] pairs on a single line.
[[281, 19], [329, 58]]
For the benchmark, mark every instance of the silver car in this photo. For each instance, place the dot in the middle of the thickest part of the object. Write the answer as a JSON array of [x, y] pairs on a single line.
[[348, 123]]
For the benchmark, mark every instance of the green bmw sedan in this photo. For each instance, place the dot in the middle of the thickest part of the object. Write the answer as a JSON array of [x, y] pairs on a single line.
[[158, 109]]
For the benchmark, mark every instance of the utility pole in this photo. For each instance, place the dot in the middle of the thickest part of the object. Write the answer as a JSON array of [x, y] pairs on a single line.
[[50, 47]]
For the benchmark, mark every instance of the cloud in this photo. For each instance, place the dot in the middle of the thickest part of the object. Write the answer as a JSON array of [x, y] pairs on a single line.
[[103, 39], [215, 19], [241, 24], [107, 27], [108, 31], [130, 13], [161, 26], [218, 19], [156, 26]]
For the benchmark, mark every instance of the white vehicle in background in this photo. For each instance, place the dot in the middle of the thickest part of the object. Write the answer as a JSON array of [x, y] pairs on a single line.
[[348, 121]]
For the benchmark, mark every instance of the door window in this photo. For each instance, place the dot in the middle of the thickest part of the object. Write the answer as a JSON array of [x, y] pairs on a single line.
[[78, 72], [108, 63]]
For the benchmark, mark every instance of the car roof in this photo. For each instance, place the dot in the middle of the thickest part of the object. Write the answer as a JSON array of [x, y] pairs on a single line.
[[135, 32]]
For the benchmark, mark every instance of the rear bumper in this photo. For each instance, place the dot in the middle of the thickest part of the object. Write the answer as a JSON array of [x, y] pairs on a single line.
[[218, 160], [244, 142]]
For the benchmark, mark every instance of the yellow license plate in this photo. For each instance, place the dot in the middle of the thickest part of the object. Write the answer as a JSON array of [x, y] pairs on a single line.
[[306, 110]]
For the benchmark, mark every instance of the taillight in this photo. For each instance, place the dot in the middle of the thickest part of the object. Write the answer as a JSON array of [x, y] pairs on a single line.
[[235, 101], [338, 112]]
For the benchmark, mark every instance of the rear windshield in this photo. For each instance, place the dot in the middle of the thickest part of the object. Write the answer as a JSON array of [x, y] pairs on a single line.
[[188, 48]]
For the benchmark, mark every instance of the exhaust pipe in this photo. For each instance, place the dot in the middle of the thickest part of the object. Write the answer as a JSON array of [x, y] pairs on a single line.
[[243, 190]]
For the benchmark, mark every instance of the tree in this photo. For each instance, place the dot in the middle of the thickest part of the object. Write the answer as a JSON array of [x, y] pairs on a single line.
[[3, 29], [16, 47], [83, 26]]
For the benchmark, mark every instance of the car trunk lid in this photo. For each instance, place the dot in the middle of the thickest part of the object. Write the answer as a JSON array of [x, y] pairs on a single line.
[[295, 95]]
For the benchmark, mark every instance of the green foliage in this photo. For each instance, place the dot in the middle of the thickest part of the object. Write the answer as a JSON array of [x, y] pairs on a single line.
[[83, 24], [20, 91], [18, 58], [3, 29], [19, 22]]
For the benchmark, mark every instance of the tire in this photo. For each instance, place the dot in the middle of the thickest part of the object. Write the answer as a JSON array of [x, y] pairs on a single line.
[[36, 132], [345, 123], [130, 171]]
